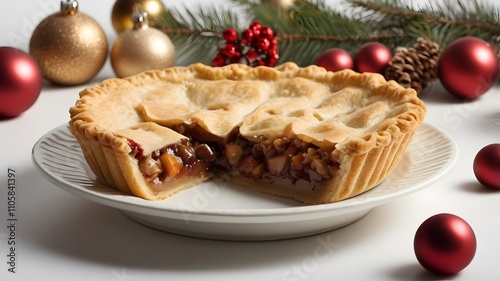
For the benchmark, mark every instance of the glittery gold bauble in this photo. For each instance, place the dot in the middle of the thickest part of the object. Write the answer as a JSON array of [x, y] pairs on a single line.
[[120, 15], [70, 47], [141, 48]]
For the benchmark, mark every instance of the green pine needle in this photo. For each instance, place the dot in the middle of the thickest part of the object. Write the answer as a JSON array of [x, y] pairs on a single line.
[[308, 28]]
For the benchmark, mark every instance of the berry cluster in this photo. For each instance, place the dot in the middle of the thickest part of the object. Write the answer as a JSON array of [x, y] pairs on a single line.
[[256, 47]]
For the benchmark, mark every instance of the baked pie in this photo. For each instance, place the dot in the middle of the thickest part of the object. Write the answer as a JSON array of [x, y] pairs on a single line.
[[302, 133]]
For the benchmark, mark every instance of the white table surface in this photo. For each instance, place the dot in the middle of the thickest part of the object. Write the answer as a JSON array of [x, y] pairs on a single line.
[[60, 236]]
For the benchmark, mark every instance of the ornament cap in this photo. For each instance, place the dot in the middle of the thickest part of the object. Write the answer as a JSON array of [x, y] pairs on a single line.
[[69, 7], [139, 17]]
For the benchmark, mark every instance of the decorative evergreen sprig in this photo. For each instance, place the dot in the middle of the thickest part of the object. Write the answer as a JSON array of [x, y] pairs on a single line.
[[308, 28], [440, 21]]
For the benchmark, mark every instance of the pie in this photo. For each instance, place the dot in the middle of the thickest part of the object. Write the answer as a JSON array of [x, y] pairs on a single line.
[[297, 132]]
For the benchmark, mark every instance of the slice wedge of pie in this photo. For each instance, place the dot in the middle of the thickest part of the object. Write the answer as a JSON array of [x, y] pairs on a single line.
[[302, 133]]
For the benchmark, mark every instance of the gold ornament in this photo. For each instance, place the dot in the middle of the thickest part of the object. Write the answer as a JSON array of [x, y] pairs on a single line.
[[141, 48], [70, 47], [283, 4], [120, 15]]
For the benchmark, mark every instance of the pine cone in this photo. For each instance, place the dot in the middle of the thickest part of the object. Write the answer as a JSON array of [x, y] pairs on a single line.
[[415, 67]]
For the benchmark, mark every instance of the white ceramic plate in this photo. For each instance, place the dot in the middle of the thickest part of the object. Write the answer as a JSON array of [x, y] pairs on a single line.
[[218, 210]]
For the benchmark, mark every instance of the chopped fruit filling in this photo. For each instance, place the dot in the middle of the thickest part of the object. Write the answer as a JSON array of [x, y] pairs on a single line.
[[281, 158], [268, 160], [174, 161]]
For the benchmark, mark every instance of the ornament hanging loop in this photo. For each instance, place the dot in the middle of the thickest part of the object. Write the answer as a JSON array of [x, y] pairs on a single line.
[[69, 7], [139, 17]]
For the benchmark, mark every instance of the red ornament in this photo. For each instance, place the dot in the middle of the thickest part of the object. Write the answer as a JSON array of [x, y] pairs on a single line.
[[487, 166], [335, 59], [468, 67], [445, 244], [372, 57], [20, 81]]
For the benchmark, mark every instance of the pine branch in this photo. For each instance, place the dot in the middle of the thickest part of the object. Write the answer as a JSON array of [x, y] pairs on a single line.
[[441, 22], [196, 32], [309, 27]]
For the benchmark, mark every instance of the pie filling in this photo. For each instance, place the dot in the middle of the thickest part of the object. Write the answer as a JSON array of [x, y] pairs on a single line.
[[268, 160]]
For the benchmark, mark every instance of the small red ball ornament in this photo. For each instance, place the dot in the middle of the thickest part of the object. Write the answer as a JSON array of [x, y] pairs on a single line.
[[468, 67], [335, 59], [445, 244], [372, 57], [487, 166], [20, 81]]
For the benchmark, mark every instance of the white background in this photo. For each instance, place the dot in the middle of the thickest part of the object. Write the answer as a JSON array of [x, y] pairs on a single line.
[[63, 237]]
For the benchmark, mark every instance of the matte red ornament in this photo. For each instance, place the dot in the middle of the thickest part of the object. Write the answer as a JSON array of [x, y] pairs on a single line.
[[372, 57], [20, 81], [335, 59], [487, 166], [468, 67], [445, 244]]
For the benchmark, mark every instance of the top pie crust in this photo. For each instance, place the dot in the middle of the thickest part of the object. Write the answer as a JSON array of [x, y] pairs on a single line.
[[362, 120]]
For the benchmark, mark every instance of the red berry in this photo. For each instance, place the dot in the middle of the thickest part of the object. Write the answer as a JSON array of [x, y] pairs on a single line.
[[229, 50], [272, 60], [248, 36], [263, 44], [267, 32], [252, 54], [235, 59], [254, 26], [219, 60], [230, 35], [273, 49]]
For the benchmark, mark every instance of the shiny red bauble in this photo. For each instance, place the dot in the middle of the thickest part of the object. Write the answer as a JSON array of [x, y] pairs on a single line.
[[372, 57], [335, 59], [487, 166], [468, 67], [445, 244], [20, 81]]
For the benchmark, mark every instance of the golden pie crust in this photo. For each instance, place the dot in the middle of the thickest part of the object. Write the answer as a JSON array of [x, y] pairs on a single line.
[[361, 123]]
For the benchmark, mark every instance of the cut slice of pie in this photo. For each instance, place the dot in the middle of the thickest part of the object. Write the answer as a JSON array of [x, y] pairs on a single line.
[[302, 133]]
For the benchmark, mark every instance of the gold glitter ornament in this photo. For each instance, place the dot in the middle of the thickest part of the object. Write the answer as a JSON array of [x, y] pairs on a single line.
[[141, 48], [120, 15], [70, 47]]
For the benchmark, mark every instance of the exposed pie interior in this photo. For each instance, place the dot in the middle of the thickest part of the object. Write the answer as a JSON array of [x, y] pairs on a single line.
[[302, 133]]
